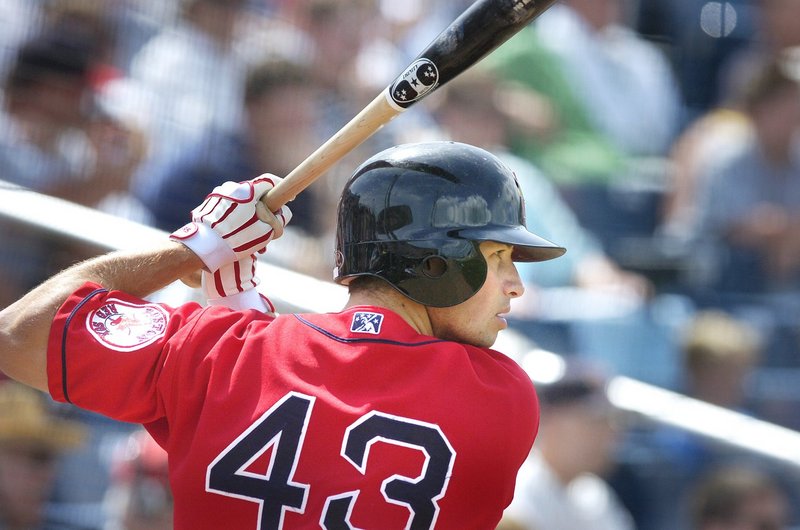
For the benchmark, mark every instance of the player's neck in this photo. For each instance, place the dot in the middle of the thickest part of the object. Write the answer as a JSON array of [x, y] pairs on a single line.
[[412, 312]]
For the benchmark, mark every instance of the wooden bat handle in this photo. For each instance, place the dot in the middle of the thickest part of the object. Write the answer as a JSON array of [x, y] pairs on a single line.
[[356, 131], [374, 116]]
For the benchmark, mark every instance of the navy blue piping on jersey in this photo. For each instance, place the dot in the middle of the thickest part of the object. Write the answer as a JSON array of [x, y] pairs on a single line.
[[355, 341], [64, 341]]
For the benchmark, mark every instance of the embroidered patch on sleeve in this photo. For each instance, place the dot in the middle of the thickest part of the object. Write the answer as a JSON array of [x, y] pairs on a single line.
[[124, 326], [365, 322]]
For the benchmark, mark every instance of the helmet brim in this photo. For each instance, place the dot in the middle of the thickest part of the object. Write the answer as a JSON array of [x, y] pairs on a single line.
[[527, 245]]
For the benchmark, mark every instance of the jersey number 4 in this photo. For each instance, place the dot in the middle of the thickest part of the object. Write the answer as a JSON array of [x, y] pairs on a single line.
[[283, 427]]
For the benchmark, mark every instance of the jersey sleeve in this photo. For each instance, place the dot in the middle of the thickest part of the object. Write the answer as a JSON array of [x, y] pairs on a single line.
[[107, 350]]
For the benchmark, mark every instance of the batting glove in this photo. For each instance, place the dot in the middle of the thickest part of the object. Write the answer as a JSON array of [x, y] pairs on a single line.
[[232, 223], [234, 286]]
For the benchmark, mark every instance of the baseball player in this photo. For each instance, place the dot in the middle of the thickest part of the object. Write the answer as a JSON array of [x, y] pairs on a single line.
[[391, 414]]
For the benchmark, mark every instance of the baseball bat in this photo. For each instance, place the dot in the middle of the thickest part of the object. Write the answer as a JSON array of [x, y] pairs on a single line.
[[479, 30]]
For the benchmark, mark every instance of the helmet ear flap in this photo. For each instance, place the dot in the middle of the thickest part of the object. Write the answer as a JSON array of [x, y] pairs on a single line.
[[446, 277], [442, 276]]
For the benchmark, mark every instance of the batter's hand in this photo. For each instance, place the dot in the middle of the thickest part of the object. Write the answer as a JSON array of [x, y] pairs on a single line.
[[232, 223], [234, 286]]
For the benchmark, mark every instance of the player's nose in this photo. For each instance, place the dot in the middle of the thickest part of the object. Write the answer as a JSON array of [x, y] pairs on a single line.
[[513, 285]]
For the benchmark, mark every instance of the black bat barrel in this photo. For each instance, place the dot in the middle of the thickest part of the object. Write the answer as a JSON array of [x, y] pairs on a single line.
[[484, 26]]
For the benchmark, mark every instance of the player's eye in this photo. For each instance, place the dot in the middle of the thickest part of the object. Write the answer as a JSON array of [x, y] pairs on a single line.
[[497, 250], [504, 251]]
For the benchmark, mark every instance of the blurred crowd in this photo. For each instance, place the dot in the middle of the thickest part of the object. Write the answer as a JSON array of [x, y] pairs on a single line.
[[657, 140]]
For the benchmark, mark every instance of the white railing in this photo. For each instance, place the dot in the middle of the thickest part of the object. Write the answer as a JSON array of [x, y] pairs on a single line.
[[666, 407], [291, 291], [288, 290]]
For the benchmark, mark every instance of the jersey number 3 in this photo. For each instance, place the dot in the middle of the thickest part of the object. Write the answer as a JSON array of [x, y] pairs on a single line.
[[283, 427]]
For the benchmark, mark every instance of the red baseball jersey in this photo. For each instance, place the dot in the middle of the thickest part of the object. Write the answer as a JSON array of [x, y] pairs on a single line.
[[348, 420]]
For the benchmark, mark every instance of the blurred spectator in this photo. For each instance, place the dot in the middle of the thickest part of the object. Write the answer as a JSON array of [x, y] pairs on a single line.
[[391, 45], [740, 498], [20, 20], [477, 109], [699, 37], [747, 204], [325, 35], [117, 139], [52, 137], [279, 131], [228, 116], [54, 140], [139, 497], [337, 30], [777, 29], [135, 23], [188, 80], [720, 354], [607, 94], [84, 474], [347, 45], [41, 146], [721, 128], [561, 485], [709, 138], [32, 439]]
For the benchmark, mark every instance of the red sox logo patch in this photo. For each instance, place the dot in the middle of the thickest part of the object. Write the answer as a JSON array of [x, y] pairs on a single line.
[[123, 326]]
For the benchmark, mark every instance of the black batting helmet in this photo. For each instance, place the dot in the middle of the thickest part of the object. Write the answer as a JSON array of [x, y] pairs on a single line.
[[415, 214]]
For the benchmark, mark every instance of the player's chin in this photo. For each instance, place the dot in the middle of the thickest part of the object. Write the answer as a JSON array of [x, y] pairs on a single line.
[[482, 336], [487, 338]]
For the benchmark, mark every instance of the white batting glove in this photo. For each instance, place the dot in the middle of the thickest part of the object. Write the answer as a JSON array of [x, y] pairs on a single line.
[[232, 223], [234, 286]]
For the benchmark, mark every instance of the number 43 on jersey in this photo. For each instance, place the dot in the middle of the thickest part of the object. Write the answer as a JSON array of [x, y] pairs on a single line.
[[282, 428]]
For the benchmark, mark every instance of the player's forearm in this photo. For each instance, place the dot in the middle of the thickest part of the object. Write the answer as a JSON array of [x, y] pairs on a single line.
[[139, 273], [25, 325]]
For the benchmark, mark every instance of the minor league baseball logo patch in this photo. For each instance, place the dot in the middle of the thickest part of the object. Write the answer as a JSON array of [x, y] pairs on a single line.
[[365, 322], [123, 326]]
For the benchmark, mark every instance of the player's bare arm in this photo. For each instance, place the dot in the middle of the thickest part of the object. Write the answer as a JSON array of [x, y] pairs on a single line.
[[221, 232], [25, 325]]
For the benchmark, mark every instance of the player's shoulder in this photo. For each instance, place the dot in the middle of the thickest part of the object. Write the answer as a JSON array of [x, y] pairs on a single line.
[[497, 366], [220, 321]]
